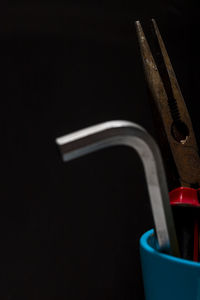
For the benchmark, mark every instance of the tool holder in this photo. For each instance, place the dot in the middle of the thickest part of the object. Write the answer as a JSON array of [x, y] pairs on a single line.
[[165, 275]]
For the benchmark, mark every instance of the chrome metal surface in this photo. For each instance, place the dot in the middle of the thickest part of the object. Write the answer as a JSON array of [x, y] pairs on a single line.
[[126, 133]]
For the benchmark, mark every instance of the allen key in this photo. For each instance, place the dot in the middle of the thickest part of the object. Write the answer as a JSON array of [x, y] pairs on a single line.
[[126, 133]]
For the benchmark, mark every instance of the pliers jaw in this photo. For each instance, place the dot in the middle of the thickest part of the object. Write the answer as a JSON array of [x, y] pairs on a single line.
[[177, 137]]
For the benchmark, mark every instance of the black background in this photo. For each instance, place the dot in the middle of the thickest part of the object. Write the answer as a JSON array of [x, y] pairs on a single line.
[[71, 231]]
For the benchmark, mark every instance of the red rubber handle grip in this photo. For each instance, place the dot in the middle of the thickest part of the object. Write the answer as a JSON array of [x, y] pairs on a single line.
[[185, 196]]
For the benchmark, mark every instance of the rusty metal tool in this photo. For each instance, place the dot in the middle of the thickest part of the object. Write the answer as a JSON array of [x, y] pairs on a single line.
[[175, 137], [126, 133]]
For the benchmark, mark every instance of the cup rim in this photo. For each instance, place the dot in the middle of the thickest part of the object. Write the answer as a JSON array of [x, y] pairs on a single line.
[[144, 244]]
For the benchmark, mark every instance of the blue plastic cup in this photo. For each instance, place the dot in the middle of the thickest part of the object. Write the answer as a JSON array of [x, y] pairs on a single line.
[[167, 277]]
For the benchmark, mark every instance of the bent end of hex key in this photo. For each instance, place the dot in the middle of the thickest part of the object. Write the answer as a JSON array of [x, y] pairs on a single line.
[[115, 133]]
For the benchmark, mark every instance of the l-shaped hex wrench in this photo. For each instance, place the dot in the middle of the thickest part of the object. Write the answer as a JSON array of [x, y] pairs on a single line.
[[119, 132]]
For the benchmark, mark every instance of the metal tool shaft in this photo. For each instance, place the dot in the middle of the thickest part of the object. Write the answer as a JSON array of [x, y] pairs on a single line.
[[115, 133]]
